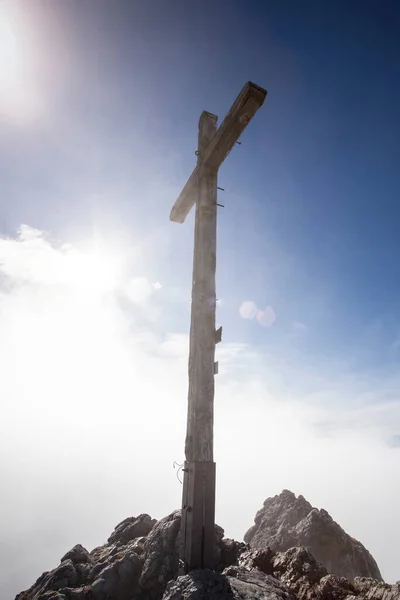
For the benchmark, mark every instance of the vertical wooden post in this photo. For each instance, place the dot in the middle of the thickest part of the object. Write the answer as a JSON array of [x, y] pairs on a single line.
[[199, 440], [198, 510], [198, 503]]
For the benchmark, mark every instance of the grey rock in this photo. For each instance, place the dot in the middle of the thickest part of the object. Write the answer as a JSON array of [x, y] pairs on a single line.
[[229, 552], [298, 570], [371, 589], [257, 585], [65, 575], [209, 585], [127, 567], [51, 596], [286, 521], [161, 552], [161, 556], [82, 593], [109, 571], [333, 587], [131, 528], [199, 585], [119, 580], [146, 567], [78, 554], [27, 594]]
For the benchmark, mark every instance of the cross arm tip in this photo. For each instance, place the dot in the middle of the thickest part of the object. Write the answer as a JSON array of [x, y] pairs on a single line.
[[256, 91], [175, 218], [257, 87]]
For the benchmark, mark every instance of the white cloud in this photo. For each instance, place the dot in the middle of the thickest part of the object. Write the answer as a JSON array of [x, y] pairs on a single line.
[[32, 259], [175, 345], [94, 414], [139, 290]]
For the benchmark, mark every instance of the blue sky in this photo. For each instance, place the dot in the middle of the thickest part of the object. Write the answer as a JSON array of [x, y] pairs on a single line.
[[315, 180], [98, 117]]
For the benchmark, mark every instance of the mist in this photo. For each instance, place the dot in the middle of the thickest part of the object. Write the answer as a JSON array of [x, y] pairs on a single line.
[[94, 389]]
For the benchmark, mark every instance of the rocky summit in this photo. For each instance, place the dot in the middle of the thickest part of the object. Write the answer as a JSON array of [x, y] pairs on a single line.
[[286, 521], [140, 562]]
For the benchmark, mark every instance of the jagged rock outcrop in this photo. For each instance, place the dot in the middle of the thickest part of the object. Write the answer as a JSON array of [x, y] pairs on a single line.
[[229, 552], [370, 589], [209, 585], [131, 528], [299, 571], [109, 571], [140, 562], [161, 555], [286, 521], [270, 575]]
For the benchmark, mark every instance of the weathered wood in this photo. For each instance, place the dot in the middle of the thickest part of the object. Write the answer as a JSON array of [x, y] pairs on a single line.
[[199, 439], [250, 99], [198, 499], [209, 539], [198, 542]]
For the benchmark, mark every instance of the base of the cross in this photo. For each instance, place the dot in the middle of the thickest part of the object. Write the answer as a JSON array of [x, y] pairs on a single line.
[[197, 537]]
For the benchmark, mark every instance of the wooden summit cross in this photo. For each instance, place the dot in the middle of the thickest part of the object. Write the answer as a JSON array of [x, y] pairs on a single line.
[[198, 502]]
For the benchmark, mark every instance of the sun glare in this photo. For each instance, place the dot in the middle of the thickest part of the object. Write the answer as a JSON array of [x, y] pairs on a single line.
[[94, 271], [16, 91], [10, 53]]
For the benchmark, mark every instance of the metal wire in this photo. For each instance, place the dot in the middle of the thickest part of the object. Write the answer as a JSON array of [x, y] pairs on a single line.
[[180, 467]]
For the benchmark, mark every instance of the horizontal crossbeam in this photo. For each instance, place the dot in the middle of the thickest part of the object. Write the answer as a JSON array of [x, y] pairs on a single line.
[[241, 112]]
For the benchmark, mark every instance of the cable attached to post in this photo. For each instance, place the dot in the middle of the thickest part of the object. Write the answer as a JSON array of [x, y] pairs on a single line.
[[180, 468]]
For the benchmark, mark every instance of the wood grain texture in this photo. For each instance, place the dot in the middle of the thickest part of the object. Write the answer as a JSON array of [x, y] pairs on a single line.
[[197, 549], [250, 99], [199, 439]]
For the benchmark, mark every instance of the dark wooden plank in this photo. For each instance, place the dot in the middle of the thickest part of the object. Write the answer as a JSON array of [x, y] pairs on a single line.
[[198, 547], [196, 499], [209, 545], [185, 521]]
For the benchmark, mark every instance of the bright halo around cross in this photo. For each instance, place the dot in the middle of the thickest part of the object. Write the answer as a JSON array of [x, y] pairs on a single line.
[[17, 93]]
